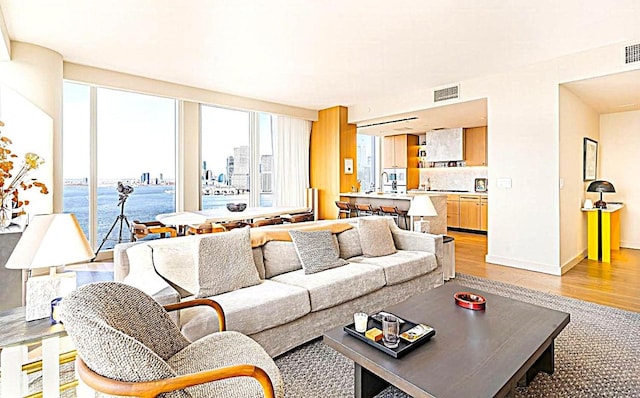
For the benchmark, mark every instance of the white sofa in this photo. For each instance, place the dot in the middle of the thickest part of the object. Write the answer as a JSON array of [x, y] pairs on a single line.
[[288, 307]]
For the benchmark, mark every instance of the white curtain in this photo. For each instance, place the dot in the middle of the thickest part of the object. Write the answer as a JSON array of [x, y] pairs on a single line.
[[291, 160]]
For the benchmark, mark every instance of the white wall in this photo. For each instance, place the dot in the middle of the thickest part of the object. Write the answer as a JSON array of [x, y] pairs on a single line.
[[577, 120], [32, 112], [619, 148], [523, 145]]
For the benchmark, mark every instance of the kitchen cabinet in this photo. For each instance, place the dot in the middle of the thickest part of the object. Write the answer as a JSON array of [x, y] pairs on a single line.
[[398, 151], [453, 211], [473, 212], [475, 146]]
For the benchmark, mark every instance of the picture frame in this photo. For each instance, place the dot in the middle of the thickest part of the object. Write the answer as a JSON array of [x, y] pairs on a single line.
[[589, 159], [480, 185]]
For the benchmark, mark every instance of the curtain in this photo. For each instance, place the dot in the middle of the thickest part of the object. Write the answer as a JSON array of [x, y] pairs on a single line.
[[291, 160]]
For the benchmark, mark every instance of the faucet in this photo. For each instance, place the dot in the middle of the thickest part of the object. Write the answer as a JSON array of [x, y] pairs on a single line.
[[386, 178]]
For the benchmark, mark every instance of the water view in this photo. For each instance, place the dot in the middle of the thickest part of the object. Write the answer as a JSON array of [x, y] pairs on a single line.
[[143, 204]]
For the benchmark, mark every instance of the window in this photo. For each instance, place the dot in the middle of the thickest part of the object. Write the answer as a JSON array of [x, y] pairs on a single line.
[[225, 156], [134, 137], [266, 160], [366, 154]]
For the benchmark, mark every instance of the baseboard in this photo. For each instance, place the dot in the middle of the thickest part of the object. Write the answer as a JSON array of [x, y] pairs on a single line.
[[629, 245], [573, 262], [529, 266]]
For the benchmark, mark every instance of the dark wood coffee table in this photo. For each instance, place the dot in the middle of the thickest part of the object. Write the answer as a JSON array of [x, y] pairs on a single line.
[[473, 354]]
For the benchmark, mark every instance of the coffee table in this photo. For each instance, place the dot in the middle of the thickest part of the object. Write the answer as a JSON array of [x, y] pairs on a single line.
[[473, 354]]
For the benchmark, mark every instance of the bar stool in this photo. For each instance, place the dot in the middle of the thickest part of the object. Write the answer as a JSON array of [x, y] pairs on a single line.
[[365, 209], [393, 212], [343, 208]]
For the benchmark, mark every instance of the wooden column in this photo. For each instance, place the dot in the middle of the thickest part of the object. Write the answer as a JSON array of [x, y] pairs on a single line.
[[332, 140]]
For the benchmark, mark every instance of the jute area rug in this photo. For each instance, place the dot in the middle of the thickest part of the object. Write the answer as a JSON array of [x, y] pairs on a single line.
[[596, 355]]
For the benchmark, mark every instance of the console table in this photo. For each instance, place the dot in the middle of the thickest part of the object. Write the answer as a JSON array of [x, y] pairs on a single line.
[[603, 232]]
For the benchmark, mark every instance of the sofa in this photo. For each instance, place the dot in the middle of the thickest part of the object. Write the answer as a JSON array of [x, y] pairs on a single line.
[[267, 285]]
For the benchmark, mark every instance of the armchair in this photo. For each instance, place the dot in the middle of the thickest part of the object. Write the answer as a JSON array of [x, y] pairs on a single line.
[[128, 345]]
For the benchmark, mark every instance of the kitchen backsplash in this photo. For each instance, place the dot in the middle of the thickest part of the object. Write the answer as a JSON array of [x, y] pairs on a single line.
[[452, 178]]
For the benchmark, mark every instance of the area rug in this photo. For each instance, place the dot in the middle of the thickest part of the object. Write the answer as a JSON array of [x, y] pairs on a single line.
[[597, 354]]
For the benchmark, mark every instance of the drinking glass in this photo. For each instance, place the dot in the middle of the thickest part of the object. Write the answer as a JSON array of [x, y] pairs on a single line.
[[390, 331], [360, 319]]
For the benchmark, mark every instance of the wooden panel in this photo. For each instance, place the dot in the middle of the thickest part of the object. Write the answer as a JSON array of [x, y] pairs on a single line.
[[470, 212], [400, 150], [475, 146], [388, 152], [484, 214], [453, 211], [413, 173], [332, 140], [592, 235]]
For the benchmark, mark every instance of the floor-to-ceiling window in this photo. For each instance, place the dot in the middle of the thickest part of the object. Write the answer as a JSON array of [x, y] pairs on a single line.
[[119, 149], [266, 159], [366, 153]]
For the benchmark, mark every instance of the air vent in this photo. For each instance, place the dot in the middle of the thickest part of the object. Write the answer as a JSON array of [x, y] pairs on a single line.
[[388, 122], [632, 53], [446, 93]]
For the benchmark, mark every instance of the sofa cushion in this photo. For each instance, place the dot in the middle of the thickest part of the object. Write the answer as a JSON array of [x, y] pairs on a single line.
[[375, 237], [337, 285], [249, 310], [175, 263], [279, 257], [225, 263], [316, 250], [258, 261], [349, 242], [401, 266]]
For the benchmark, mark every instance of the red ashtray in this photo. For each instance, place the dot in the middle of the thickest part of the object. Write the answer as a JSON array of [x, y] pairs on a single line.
[[469, 300]]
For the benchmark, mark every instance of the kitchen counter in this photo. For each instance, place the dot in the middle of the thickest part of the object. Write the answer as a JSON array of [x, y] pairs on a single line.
[[416, 191], [391, 196]]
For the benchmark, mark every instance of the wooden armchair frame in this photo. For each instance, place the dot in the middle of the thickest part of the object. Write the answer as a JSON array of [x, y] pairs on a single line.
[[151, 389]]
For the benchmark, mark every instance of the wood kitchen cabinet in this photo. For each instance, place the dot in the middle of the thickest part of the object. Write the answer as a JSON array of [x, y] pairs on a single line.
[[453, 211], [475, 146], [397, 151], [473, 212]]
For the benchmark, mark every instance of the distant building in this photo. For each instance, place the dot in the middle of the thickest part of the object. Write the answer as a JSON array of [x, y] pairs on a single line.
[[266, 173], [240, 168], [145, 179]]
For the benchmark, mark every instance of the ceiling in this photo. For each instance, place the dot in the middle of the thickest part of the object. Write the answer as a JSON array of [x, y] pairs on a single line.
[[619, 92], [462, 114], [318, 54]]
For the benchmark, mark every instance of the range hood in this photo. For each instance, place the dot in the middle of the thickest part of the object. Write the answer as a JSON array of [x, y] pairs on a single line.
[[445, 145]]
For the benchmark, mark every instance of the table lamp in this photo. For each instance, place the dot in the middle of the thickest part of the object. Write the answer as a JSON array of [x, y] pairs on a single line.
[[601, 186], [421, 206], [49, 241]]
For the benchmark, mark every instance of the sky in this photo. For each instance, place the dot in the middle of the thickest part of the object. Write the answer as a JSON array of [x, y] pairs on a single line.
[[136, 134]]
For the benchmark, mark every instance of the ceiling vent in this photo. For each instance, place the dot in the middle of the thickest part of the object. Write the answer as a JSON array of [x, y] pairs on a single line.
[[632, 53], [388, 122], [446, 93]]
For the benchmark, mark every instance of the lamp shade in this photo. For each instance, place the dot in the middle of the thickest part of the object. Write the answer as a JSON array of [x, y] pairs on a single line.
[[601, 186], [49, 241], [421, 206]]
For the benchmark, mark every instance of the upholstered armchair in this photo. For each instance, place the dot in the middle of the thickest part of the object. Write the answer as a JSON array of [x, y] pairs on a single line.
[[129, 346]]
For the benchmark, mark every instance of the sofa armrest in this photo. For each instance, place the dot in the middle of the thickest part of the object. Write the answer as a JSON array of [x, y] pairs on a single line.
[[409, 240], [121, 260]]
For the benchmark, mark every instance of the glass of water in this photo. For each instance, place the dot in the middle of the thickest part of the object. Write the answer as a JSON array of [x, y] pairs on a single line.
[[390, 331]]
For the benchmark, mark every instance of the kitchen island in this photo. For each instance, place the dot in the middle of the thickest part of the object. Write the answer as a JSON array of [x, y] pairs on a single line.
[[438, 224]]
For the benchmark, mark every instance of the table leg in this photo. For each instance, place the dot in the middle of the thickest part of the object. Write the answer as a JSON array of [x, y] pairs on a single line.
[[545, 364], [14, 382], [367, 385], [51, 367]]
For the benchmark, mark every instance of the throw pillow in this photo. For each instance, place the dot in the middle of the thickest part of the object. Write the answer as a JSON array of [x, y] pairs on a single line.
[[225, 263], [349, 242], [375, 237], [316, 250]]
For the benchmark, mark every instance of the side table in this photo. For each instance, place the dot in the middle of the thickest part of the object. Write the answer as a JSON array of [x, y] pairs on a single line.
[[449, 263]]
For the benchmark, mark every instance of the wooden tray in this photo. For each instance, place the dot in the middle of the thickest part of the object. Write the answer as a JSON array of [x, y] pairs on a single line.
[[403, 347]]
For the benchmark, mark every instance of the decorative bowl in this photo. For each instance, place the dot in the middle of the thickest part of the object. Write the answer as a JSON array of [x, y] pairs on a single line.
[[236, 206], [469, 300]]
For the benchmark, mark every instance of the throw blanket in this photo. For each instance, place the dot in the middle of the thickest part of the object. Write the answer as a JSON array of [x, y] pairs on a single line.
[[262, 235]]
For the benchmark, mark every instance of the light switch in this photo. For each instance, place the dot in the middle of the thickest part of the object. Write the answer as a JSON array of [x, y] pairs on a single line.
[[504, 183]]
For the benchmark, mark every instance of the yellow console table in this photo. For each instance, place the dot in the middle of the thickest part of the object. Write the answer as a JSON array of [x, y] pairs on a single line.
[[603, 232]]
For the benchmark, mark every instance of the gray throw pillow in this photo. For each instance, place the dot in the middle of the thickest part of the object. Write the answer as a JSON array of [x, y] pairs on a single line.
[[316, 250], [349, 242], [225, 263], [375, 237]]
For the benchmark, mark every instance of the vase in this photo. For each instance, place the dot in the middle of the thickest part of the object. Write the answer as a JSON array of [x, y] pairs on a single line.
[[6, 211]]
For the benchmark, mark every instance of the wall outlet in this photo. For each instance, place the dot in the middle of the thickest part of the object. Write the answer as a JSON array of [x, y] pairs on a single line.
[[504, 183]]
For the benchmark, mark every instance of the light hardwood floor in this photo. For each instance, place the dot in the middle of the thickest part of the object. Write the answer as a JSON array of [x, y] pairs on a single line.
[[616, 284]]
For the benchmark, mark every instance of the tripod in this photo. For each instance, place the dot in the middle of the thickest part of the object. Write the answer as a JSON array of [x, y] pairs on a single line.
[[120, 218]]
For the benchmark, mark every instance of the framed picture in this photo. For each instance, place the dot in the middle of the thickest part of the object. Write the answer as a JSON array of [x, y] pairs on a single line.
[[590, 159], [481, 185]]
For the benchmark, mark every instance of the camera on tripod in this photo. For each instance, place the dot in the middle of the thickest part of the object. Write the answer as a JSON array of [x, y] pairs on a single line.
[[123, 194]]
